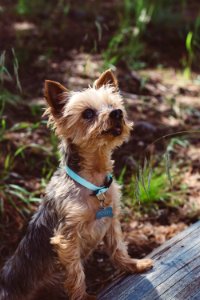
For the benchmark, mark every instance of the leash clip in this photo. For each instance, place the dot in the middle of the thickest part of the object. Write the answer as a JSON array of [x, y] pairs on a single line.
[[101, 198]]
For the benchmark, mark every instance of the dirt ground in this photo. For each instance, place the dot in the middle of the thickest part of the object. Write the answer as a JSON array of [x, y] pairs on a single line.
[[165, 109]]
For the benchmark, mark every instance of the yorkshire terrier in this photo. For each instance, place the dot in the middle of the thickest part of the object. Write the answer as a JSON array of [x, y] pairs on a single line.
[[82, 202]]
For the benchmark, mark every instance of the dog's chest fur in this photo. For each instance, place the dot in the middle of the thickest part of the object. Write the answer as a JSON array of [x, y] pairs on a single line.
[[77, 209], [92, 234]]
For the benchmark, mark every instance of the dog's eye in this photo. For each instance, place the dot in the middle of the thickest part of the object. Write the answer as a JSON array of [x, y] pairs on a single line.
[[88, 114]]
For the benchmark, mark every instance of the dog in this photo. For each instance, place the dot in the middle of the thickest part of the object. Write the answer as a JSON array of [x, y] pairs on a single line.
[[81, 206]]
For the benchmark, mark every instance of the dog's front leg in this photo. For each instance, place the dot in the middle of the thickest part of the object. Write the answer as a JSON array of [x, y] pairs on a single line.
[[68, 252], [118, 251]]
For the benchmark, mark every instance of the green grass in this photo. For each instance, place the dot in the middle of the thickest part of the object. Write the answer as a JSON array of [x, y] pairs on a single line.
[[3, 70], [192, 45], [146, 190], [19, 198], [16, 155], [6, 97], [126, 45], [31, 8], [38, 159], [152, 185], [138, 19], [22, 194]]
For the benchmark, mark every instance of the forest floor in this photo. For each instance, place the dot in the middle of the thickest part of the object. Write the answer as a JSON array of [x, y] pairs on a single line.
[[164, 145]]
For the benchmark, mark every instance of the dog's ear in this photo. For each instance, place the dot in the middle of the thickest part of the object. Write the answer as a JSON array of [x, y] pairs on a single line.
[[55, 94], [106, 78]]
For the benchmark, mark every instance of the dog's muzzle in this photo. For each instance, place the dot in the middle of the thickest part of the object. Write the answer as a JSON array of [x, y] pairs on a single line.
[[116, 114], [116, 119]]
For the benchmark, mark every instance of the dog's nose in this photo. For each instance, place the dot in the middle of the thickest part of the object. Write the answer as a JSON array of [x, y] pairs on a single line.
[[116, 114]]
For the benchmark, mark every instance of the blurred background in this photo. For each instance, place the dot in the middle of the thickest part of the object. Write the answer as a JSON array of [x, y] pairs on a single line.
[[154, 49]]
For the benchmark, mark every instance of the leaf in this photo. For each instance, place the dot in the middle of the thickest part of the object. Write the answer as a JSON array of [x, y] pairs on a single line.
[[19, 195], [188, 42], [23, 194], [137, 189], [20, 150], [34, 146], [1, 206], [21, 125], [3, 69], [7, 162], [35, 199], [3, 124], [167, 167], [149, 179], [99, 30], [142, 177], [16, 70], [19, 188], [120, 180]]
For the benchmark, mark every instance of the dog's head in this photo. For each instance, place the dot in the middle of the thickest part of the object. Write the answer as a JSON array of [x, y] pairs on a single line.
[[92, 118]]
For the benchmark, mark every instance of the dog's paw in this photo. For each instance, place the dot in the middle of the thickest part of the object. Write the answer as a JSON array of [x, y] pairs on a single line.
[[139, 265], [144, 264]]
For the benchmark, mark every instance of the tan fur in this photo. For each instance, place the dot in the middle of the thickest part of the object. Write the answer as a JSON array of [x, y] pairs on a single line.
[[79, 232], [106, 78]]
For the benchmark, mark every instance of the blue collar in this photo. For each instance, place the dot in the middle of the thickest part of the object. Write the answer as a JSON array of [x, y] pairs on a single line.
[[97, 190]]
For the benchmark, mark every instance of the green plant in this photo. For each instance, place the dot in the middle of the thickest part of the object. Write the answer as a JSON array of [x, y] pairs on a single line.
[[192, 45], [21, 193], [26, 7], [19, 198], [2, 129], [36, 109], [25, 126], [5, 95], [33, 146], [187, 62], [8, 163], [148, 186], [120, 179], [179, 140], [151, 185], [3, 69], [16, 70], [126, 45]]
